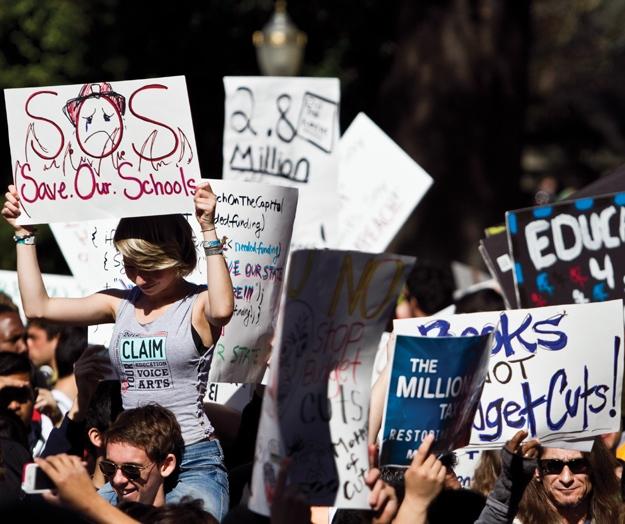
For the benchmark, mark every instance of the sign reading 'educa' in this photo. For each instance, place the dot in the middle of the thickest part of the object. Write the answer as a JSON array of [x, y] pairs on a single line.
[[570, 252]]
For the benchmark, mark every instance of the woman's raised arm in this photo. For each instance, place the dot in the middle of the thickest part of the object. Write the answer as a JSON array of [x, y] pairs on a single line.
[[219, 306], [94, 309]]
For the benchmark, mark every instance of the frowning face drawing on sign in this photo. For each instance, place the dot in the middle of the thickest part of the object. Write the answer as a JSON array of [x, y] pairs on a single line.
[[96, 114]]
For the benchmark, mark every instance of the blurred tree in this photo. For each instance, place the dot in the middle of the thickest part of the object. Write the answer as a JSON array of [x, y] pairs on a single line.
[[455, 100], [488, 96]]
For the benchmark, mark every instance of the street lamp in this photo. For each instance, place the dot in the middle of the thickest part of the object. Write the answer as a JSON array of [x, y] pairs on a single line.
[[280, 45]]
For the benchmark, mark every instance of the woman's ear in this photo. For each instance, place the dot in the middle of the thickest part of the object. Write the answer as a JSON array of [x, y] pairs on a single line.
[[168, 465], [95, 437]]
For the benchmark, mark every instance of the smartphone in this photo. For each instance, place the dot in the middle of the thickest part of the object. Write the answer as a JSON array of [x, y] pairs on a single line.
[[34, 480]]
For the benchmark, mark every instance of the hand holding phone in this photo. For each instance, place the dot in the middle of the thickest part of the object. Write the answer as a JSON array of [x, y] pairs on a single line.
[[34, 480]]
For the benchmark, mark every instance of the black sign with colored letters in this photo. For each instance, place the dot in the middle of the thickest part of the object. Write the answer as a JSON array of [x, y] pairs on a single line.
[[572, 252]]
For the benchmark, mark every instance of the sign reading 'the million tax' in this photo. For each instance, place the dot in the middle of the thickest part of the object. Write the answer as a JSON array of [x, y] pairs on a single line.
[[569, 252]]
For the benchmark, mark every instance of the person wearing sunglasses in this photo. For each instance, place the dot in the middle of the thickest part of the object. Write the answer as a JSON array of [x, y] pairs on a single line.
[[144, 448], [18, 394], [548, 485]]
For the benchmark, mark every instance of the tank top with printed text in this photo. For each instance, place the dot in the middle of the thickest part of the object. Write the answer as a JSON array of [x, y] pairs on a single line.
[[160, 362]]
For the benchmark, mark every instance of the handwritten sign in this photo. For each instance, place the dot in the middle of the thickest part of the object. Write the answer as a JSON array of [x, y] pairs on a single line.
[[102, 149], [257, 221], [569, 252], [555, 371], [315, 408], [379, 186], [285, 131], [434, 388]]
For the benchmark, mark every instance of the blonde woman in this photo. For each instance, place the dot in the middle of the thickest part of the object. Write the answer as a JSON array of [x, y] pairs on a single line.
[[165, 328]]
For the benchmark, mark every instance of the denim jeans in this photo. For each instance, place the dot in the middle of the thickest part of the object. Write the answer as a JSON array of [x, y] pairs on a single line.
[[202, 476]]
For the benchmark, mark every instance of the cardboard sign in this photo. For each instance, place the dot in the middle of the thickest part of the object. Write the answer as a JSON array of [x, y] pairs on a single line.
[[285, 131], [379, 186], [555, 371], [257, 221], [315, 409], [434, 388], [569, 252], [100, 150]]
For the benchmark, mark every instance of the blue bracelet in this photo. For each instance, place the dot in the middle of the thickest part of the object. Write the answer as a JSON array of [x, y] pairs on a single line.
[[208, 244], [28, 239]]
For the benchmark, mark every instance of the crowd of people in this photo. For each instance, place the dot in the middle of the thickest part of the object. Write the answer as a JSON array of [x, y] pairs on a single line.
[[119, 447]]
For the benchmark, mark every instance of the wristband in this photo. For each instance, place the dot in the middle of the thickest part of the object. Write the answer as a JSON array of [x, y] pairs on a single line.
[[207, 244], [28, 239]]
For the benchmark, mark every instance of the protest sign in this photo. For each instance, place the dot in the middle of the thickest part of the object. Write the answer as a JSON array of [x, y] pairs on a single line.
[[568, 252], [99, 150], [315, 408], [555, 371], [434, 388], [257, 221], [467, 460], [285, 131], [379, 186], [56, 285]]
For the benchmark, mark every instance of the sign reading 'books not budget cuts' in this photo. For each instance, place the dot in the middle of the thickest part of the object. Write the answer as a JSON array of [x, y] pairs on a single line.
[[555, 371]]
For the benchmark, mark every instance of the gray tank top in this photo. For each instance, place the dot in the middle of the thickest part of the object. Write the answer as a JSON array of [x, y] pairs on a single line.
[[159, 362]]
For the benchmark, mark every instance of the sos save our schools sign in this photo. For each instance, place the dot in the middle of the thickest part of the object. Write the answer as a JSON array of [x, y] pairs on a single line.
[[101, 150]]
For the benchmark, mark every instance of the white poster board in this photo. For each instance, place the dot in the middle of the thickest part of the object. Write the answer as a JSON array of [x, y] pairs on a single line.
[[257, 221], [315, 408], [285, 131], [99, 150], [57, 286], [379, 186], [555, 371]]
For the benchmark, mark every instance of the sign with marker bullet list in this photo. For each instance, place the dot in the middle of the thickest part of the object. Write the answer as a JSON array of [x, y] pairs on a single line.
[[256, 221], [569, 252], [285, 131], [98, 150]]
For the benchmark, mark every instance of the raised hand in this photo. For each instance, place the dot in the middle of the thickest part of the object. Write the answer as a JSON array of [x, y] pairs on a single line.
[[424, 480], [11, 210], [205, 203]]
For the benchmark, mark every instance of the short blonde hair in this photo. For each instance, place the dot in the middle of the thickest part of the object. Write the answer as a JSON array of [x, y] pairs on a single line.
[[157, 242]]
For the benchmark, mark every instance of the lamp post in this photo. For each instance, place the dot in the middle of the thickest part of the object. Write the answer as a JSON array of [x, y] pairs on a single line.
[[280, 45]]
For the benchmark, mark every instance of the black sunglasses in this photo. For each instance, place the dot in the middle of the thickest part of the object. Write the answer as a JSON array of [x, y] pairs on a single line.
[[130, 471], [21, 395], [555, 466]]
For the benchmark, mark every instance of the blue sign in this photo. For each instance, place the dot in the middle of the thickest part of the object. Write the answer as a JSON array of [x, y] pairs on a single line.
[[435, 387]]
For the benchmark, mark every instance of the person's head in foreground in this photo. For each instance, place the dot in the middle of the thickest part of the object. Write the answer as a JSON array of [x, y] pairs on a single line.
[[143, 452], [12, 332], [16, 389], [572, 486]]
